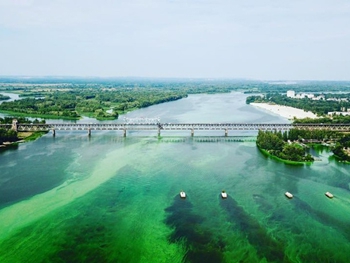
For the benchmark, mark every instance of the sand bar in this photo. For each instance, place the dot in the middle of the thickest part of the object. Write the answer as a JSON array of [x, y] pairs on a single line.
[[285, 111]]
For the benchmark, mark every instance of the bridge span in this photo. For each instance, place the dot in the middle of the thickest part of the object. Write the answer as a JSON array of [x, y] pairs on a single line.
[[191, 127]]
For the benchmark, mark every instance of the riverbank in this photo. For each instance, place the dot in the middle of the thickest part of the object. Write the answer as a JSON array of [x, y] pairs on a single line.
[[24, 137], [269, 155], [285, 111], [41, 116]]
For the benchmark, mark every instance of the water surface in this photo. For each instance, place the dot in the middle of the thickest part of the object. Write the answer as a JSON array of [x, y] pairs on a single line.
[[106, 198]]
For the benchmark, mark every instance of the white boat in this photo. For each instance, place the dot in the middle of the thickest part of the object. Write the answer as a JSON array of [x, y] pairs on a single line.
[[329, 195], [182, 194], [289, 195], [223, 194]]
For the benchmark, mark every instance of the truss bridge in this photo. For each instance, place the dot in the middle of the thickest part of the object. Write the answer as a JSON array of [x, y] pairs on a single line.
[[159, 127]]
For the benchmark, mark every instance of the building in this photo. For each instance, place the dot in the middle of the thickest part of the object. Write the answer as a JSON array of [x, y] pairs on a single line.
[[291, 93]]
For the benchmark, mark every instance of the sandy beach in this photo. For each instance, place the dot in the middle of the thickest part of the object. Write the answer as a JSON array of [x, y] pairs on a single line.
[[285, 111]]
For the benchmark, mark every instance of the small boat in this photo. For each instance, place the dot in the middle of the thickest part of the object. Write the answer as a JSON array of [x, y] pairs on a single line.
[[329, 195], [289, 195], [183, 194], [223, 194]]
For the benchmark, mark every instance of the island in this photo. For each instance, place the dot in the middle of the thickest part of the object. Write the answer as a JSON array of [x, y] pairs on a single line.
[[279, 146]]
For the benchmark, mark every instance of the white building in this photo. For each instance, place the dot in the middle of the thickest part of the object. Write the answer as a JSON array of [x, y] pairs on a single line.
[[291, 93]]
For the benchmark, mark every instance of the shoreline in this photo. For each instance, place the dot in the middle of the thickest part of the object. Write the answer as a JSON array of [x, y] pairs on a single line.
[[285, 111], [23, 137], [285, 161]]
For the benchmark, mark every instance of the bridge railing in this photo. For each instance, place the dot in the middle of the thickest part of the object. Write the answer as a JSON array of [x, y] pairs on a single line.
[[177, 126], [5, 126]]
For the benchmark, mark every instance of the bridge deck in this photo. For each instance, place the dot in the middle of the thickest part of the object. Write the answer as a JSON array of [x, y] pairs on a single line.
[[176, 126]]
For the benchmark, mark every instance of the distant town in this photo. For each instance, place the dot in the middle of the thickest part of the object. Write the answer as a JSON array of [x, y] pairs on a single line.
[[302, 95]]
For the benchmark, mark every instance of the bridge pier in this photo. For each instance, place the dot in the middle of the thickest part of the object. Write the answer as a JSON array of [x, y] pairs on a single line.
[[192, 132], [124, 133], [53, 132], [158, 132], [89, 132], [14, 125], [226, 132]]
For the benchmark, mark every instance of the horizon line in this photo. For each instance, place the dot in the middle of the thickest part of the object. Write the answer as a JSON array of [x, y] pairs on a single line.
[[290, 81]]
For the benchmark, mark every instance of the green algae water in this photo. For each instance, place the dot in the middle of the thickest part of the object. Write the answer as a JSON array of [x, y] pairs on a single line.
[[112, 199]]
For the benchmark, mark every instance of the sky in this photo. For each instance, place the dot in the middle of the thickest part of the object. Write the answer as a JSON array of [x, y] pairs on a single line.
[[249, 39]]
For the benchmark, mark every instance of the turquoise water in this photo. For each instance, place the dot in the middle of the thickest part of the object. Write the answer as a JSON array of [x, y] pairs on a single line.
[[111, 199]]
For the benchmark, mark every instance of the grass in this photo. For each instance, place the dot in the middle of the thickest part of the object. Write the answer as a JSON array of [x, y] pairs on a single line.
[[31, 136]]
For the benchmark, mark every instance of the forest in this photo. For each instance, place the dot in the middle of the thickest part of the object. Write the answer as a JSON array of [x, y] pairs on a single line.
[[341, 149], [300, 86], [99, 103], [320, 107], [3, 97], [292, 145], [9, 135], [103, 98], [274, 143], [326, 119], [106, 98], [9, 119]]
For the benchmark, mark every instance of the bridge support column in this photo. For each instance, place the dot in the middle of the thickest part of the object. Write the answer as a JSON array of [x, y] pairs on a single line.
[[124, 132], [14, 125], [89, 132], [192, 132], [53, 132], [158, 132], [226, 132]]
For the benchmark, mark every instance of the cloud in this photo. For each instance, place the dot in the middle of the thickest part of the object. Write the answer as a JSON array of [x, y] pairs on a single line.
[[70, 37]]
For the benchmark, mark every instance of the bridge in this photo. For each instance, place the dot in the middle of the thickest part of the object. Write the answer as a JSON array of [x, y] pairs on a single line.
[[159, 127]]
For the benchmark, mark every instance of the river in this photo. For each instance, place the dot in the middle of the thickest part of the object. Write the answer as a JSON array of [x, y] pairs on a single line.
[[105, 198]]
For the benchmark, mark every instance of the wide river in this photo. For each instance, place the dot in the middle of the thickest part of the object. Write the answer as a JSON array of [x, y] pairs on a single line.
[[105, 198]]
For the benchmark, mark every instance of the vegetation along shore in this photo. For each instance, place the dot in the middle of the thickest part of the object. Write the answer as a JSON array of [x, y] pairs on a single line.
[[106, 99], [102, 99], [10, 137], [292, 147]]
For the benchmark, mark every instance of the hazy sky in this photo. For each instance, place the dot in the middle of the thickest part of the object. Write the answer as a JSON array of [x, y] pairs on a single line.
[[256, 39]]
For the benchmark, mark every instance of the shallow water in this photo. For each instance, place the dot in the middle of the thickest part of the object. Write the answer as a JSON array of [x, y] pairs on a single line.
[[111, 199]]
